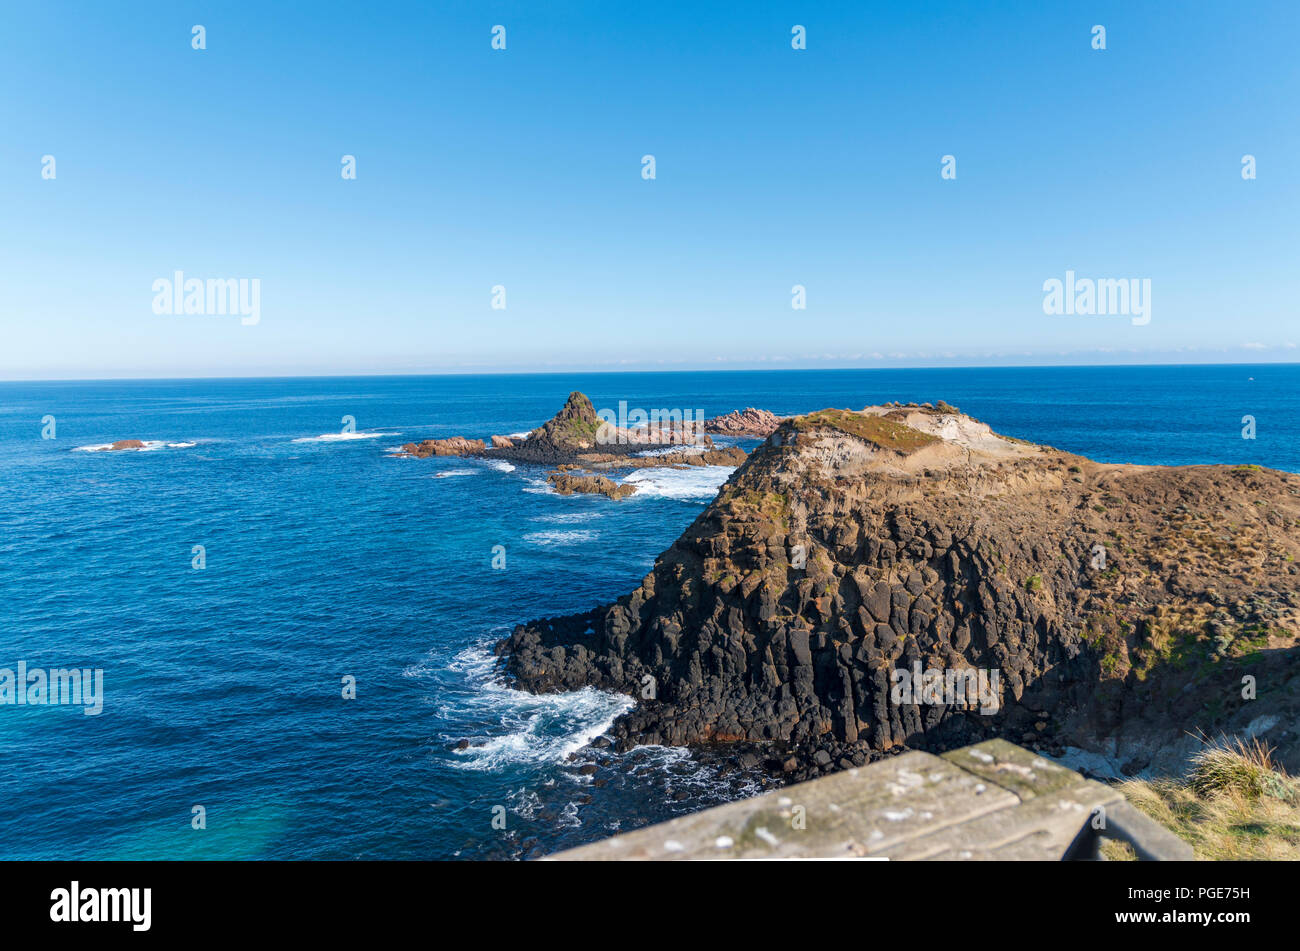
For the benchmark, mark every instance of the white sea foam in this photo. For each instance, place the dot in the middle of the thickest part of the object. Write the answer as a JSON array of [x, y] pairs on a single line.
[[499, 464], [567, 518], [536, 728], [343, 437], [539, 487], [699, 777], [571, 537], [523, 435], [568, 817], [417, 671], [678, 450], [693, 483], [456, 472], [525, 803]]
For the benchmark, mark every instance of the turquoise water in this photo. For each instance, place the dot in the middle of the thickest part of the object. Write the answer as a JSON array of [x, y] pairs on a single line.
[[326, 558]]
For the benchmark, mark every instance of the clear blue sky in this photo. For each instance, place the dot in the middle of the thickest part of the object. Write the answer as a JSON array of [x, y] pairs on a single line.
[[522, 168]]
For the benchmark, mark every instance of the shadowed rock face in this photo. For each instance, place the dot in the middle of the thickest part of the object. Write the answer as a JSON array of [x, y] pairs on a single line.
[[1120, 606]]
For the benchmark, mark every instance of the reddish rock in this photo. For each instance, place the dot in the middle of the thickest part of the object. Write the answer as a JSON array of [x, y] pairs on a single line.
[[746, 422], [453, 446]]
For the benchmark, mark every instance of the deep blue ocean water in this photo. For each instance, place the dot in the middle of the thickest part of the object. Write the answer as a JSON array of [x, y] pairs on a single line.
[[326, 558]]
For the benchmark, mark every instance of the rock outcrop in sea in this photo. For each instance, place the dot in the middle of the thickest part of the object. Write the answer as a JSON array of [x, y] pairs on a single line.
[[452, 446], [1113, 609], [577, 439], [577, 435], [120, 445], [570, 436], [566, 483], [744, 422]]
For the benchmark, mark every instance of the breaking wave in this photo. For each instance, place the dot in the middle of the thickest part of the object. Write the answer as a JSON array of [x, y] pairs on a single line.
[[535, 728], [696, 483]]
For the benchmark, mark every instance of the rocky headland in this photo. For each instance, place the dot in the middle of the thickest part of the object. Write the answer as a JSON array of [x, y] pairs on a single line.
[[1114, 610]]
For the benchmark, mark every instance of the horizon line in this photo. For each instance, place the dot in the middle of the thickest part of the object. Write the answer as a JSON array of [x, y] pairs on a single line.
[[791, 369]]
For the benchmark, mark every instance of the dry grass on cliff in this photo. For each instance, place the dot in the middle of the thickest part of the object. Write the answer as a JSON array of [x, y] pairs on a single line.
[[883, 432], [1235, 804]]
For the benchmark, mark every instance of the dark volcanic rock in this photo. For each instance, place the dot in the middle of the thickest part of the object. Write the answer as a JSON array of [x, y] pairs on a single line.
[[1119, 606]]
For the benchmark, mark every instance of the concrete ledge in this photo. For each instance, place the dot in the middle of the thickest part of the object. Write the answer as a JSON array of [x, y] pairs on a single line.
[[993, 800]]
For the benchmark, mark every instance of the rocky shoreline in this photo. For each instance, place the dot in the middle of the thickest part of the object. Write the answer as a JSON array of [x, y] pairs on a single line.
[[1120, 607]]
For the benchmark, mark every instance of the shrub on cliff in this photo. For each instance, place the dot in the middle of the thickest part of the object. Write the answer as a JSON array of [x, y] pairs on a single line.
[[1235, 804]]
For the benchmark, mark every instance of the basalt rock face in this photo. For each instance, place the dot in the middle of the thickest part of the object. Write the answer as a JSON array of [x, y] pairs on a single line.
[[1119, 606]]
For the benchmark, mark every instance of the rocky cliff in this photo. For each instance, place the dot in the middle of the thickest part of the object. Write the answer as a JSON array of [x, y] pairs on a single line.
[[1113, 608]]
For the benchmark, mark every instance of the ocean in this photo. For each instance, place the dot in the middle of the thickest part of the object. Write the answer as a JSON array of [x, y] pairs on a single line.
[[325, 560]]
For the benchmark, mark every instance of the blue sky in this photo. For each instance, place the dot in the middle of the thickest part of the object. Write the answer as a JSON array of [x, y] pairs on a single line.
[[522, 168]]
